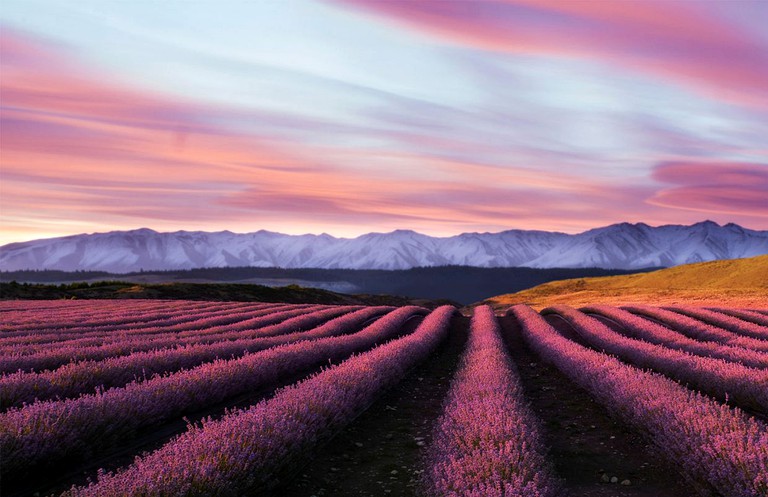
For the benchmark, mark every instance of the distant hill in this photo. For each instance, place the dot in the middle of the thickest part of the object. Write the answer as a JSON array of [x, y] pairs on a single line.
[[200, 291], [738, 283], [456, 283], [619, 246]]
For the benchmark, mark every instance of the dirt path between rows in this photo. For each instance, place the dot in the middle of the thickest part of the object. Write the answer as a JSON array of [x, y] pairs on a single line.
[[587, 445], [77, 471], [380, 453]]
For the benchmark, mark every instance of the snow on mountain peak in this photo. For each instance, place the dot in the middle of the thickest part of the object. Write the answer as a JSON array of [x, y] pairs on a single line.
[[618, 246]]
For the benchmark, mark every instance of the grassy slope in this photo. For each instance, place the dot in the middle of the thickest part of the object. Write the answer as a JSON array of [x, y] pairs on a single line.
[[737, 283]]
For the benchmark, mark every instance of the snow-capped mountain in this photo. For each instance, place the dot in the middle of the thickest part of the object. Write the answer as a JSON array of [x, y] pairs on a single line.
[[619, 246]]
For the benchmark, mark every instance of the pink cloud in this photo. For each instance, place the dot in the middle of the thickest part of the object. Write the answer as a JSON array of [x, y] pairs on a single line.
[[61, 120], [79, 148], [81, 151], [724, 187], [680, 41], [84, 153]]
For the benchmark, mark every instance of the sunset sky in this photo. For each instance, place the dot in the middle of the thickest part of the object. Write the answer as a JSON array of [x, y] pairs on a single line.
[[345, 117]]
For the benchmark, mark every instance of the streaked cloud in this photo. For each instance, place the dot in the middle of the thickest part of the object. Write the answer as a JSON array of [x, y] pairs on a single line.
[[730, 188], [436, 116], [682, 41]]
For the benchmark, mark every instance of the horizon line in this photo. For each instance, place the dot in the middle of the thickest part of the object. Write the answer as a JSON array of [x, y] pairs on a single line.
[[144, 228]]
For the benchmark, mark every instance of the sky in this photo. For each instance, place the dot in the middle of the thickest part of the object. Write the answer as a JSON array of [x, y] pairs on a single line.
[[352, 116]]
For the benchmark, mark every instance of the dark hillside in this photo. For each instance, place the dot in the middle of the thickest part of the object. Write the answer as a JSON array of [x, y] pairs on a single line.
[[199, 291], [456, 283]]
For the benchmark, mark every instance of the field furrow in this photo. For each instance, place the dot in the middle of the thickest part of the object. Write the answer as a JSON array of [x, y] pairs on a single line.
[[56, 357], [246, 450], [724, 380], [698, 329], [743, 314], [44, 432], [642, 329], [84, 377], [503, 454], [709, 441], [195, 398], [190, 320], [64, 317], [730, 323]]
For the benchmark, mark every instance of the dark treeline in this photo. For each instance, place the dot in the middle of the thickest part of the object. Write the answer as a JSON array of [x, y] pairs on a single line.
[[457, 283], [292, 294]]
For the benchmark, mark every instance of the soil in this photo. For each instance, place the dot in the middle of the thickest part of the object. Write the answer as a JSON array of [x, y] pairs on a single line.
[[586, 443], [381, 452], [76, 471], [753, 411]]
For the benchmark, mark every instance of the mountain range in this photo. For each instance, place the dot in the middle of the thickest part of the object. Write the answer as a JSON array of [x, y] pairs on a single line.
[[618, 246]]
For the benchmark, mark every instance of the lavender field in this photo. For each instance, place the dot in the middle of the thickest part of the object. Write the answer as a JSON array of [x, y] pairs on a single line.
[[171, 398]]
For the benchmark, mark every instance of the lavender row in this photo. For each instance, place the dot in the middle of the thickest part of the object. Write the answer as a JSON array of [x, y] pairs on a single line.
[[697, 329], [198, 325], [243, 452], [60, 317], [45, 356], [722, 379], [721, 320], [36, 320], [709, 441], [191, 320], [652, 332], [486, 442], [83, 377], [744, 314], [74, 325], [56, 357], [18, 311], [44, 432], [9, 306]]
